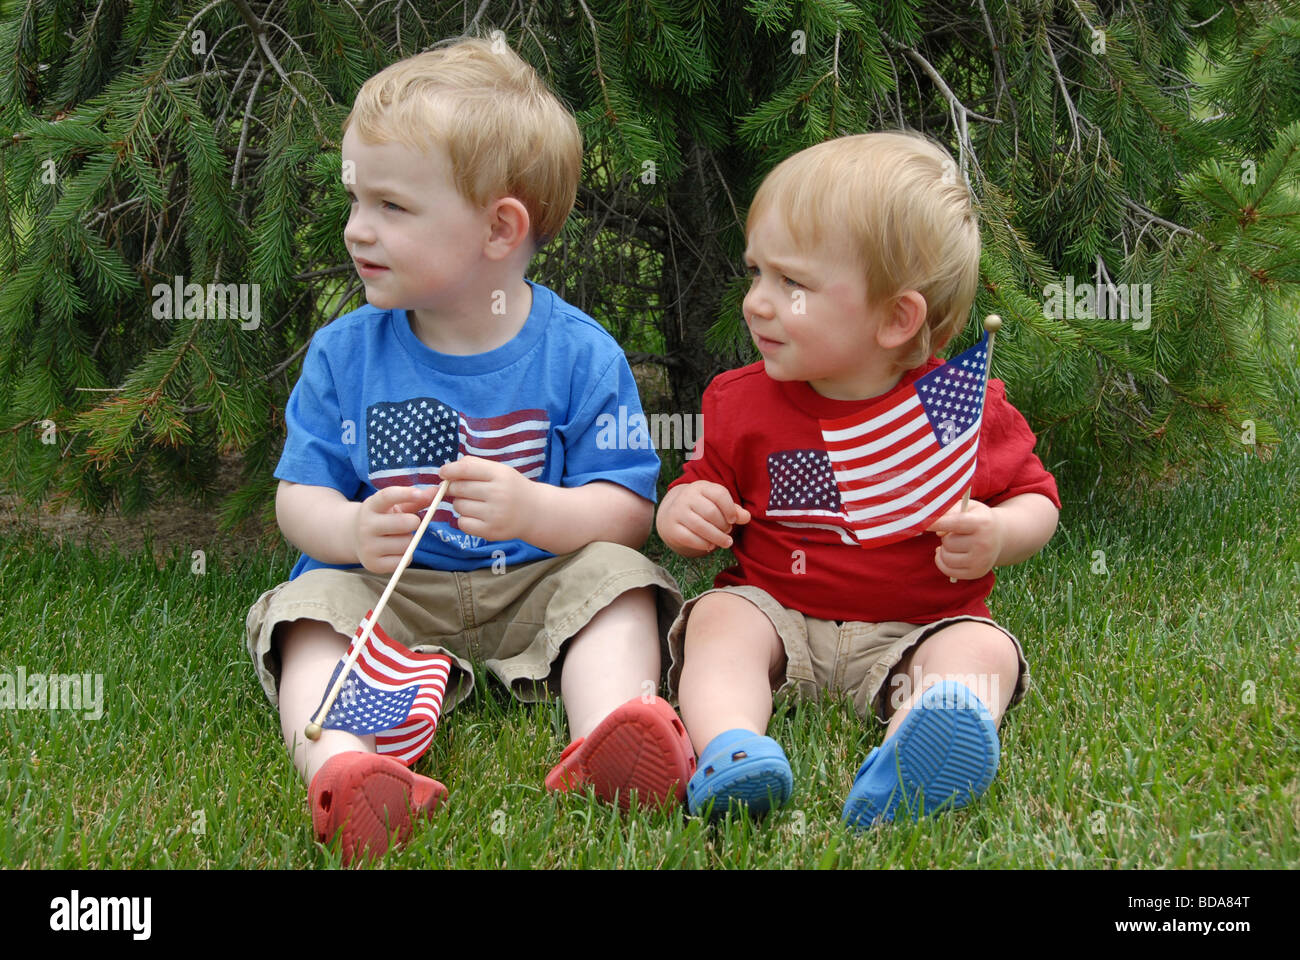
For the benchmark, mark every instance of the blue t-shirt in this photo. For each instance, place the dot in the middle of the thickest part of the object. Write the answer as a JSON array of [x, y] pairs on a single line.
[[375, 407]]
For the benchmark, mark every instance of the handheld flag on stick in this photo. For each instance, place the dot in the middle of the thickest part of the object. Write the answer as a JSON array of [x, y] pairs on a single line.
[[393, 693], [904, 462], [992, 324], [370, 624]]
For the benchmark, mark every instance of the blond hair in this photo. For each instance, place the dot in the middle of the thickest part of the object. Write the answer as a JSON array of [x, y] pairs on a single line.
[[898, 202], [506, 133]]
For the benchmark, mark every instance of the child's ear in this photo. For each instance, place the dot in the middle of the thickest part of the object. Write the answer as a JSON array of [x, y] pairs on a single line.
[[510, 227], [902, 319]]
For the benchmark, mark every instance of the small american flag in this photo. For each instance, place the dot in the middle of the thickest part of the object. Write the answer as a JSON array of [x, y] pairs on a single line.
[[902, 463], [409, 441], [390, 692]]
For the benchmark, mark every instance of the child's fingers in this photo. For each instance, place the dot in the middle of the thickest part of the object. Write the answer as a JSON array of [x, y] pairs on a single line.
[[742, 515], [965, 545], [392, 524], [949, 523], [385, 548], [474, 526], [957, 544], [386, 563], [974, 518], [389, 498], [467, 507], [707, 510], [685, 539], [719, 496], [480, 490], [940, 561], [382, 556], [962, 566], [468, 468], [705, 529]]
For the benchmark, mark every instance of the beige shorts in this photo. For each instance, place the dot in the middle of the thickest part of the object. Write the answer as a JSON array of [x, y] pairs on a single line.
[[850, 658], [515, 622]]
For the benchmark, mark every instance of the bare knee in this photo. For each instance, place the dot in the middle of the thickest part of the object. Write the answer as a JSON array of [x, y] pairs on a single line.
[[975, 654], [730, 626], [980, 646], [986, 649], [306, 636], [997, 647]]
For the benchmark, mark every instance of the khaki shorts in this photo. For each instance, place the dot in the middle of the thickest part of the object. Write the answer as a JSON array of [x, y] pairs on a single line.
[[850, 658], [515, 622]]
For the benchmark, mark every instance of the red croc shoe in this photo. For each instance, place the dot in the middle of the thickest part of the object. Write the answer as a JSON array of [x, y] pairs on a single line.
[[368, 797], [640, 746]]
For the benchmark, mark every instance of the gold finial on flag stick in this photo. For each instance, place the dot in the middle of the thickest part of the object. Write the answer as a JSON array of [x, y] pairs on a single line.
[[314, 727], [992, 324]]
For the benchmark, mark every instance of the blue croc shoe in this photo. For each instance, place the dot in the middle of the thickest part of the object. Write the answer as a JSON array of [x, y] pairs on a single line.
[[743, 766], [945, 752]]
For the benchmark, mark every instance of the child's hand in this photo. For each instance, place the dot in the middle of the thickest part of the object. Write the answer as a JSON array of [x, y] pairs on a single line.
[[384, 525], [493, 501], [971, 540], [696, 518]]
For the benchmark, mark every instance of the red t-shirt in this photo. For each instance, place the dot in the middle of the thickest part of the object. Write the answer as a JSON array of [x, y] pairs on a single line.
[[753, 424]]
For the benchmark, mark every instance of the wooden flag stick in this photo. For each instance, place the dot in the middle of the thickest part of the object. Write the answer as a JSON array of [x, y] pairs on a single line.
[[992, 323], [314, 727]]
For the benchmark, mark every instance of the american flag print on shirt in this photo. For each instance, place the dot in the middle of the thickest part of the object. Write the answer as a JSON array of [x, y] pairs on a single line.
[[802, 491], [901, 464], [390, 692], [409, 441]]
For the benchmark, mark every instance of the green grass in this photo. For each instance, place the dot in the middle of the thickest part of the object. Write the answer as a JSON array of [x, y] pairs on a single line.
[[1161, 730]]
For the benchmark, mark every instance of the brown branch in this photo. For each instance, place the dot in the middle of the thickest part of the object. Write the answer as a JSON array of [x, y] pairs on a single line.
[[259, 39]]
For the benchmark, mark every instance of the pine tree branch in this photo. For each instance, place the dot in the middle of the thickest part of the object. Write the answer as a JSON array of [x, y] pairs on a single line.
[[469, 28], [259, 39], [944, 89], [239, 82], [243, 130], [111, 210], [1197, 26], [205, 75], [1137, 208], [740, 224], [636, 220], [600, 70], [1069, 103], [180, 39], [324, 272], [1083, 16], [958, 111], [999, 67], [835, 88], [281, 367], [898, 92]]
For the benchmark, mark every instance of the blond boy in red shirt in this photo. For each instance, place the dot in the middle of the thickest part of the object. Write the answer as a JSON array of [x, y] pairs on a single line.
[[864, 254]]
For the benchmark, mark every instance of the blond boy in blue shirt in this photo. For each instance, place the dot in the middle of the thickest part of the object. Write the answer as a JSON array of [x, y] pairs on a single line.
[[459, 164]]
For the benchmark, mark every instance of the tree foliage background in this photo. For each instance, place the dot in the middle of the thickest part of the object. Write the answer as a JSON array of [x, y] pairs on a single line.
[[1134, 143]]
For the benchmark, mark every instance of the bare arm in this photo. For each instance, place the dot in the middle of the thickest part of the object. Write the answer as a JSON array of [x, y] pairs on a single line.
[[319, 521], [569, 518], [324, 524], [497, 502], [1028, 522], [975, 540]]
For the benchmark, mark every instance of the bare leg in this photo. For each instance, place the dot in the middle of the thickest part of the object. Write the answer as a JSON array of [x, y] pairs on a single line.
[[611, 660], [976, 654], [733, 654], [309, 650]]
